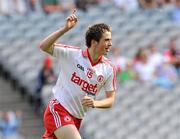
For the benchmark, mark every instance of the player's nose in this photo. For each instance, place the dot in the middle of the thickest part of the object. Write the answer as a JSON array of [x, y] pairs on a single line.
[[110, 43]]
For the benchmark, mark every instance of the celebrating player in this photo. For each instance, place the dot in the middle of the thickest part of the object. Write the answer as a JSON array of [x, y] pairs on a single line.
[[82, 75]]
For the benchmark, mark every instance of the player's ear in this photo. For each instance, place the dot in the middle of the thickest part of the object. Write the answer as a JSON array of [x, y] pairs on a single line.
[[94, 42]]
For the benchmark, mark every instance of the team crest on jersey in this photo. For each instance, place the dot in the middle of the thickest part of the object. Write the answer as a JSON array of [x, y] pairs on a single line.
[[67, 118], [100, 78]]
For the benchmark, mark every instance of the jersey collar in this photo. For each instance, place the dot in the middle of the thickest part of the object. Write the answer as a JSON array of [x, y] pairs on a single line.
[[86, 53]]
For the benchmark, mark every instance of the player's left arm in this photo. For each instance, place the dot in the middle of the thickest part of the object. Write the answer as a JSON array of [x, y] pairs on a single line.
[[110, 87], [107, 102]]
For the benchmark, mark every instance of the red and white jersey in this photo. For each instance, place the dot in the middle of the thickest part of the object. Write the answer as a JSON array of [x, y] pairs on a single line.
[[79, 76]]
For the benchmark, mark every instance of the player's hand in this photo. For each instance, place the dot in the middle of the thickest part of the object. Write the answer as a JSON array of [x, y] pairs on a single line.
[[71, 20], [88, 102]]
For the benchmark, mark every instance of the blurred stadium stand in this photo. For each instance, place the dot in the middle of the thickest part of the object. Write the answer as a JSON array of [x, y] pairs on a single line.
[[140, 112], [10, 100]]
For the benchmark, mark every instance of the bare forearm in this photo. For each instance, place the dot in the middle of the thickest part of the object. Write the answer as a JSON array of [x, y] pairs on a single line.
[[47, 44], [107, 102], [104, 103]]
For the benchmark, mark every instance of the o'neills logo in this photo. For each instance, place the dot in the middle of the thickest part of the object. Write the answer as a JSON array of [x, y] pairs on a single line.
[[87, 87]]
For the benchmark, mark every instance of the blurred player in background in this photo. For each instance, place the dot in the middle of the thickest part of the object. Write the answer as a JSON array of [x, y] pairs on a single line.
[[82, 75]]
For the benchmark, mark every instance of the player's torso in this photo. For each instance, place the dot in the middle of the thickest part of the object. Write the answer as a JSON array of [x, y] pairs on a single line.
[[82, 76], [79, 77]]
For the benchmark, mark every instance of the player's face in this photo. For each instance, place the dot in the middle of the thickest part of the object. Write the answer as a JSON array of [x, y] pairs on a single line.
[[104, 44]]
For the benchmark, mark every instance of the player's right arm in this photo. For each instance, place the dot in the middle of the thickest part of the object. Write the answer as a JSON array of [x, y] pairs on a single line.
[[47, 44]]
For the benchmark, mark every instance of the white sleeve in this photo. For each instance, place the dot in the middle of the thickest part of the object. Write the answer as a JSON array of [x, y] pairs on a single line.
[[110, 84], [62, 51]]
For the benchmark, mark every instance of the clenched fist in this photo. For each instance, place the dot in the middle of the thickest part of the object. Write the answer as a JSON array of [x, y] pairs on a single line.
[[88, 102]]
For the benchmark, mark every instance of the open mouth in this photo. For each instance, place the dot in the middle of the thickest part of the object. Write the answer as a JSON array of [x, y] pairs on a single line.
[[107, 49]]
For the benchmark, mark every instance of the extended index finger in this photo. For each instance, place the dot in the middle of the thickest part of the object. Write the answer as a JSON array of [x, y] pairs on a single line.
[[74, 11]]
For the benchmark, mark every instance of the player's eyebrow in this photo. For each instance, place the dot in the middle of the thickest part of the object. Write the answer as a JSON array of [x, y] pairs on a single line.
[[108, 39]]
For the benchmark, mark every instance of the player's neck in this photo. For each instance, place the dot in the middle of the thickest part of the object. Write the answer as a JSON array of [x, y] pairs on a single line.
[[94, 55]]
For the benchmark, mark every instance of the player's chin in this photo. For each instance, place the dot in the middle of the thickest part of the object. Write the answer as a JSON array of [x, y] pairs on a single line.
[[106, 52]]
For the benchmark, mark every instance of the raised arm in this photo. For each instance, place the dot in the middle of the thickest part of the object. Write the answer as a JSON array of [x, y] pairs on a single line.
[[47, 44]]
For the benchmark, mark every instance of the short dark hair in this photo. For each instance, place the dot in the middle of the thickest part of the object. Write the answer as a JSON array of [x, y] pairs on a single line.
[[95, 32]]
